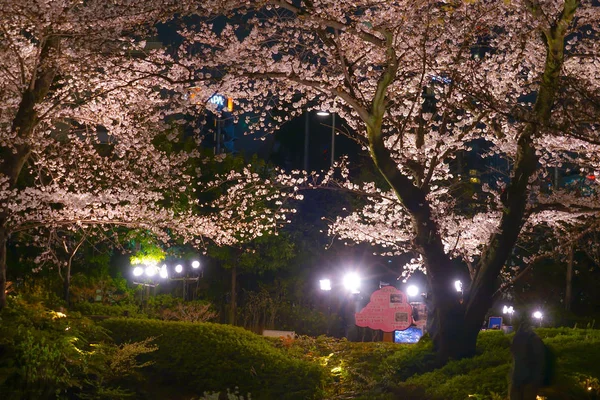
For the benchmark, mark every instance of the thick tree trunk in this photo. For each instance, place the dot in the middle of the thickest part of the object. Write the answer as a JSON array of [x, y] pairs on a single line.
[[23, 125]]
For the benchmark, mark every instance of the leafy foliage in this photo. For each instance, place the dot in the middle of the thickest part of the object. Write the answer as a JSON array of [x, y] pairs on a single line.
[[205, 357], [47, 354]]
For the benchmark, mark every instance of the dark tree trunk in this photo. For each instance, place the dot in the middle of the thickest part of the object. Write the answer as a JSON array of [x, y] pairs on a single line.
[[23, 125]]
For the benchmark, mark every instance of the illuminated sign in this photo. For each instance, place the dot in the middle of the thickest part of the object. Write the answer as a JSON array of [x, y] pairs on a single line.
[[217, 100]]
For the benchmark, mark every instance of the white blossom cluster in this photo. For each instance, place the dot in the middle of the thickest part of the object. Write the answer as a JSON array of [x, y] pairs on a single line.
[[454, 72]]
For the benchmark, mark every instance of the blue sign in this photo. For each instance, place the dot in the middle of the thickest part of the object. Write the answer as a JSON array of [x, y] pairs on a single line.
[[217, 100], [410, 335], [495, 323]]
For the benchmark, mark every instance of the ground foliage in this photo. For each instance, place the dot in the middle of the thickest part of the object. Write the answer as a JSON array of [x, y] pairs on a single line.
[[44, 354], [47, 354], [206, 357], [391, 371]]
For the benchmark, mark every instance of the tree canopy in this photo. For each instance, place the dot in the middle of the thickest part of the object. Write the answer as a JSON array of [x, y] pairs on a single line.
[[420, 83]]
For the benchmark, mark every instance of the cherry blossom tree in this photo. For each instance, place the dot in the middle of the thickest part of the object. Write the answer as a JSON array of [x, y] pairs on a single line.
[[86, 107], [420, 82]]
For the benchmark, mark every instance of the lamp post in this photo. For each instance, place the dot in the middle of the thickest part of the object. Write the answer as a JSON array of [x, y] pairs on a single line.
[[180, 270], [510, 311], [351, 282], [149, 275], [325, 113]]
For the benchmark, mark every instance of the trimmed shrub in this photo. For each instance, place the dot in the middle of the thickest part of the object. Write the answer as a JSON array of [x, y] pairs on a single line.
[[207, 357]]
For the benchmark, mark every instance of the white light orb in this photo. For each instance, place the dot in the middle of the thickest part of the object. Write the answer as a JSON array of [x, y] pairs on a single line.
[[137, 271], [163, 272], [412, 290], [351, 282], [322, 113], [179, 268], [325, 284], [458, 286], [538, 315], [151, 270], [196, 264]]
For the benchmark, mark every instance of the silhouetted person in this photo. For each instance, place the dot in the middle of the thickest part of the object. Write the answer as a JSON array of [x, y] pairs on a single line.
[[529, 361]]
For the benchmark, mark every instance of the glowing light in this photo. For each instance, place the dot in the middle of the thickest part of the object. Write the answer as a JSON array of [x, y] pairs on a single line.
[[538, 315], [351, 282], [151, 270], [508, 310], [195, 264], [322, 113], [217, 100], [137, 271], [325, 284], [412, 290], [163, 272], [179, 268], [458, 286]]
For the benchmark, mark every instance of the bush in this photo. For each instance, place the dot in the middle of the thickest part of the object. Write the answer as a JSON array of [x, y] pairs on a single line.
[[207, 357], [171, 308], [46, 354]]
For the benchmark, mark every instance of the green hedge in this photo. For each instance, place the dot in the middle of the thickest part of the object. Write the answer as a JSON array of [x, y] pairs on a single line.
[[206, 357], [486, 376]]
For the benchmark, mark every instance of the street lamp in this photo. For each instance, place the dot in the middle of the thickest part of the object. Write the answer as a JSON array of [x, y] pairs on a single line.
[[351, 282], [325, 284], [323, 114], [150, 270], [163, 272], [508, 310], [412, 291], [539, 316], [458, 286], [138, 271], [179, 269]]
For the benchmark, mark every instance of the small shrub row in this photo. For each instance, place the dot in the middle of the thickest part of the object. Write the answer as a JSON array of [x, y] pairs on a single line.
[[207, 357]]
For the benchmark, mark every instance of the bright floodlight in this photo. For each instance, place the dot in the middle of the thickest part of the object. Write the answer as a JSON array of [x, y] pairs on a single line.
[[508, 310], [137, 271], [538, 315], [325, 284], [458, 286], [351, 282], [179, 268], [412, 290], [195, 264], [151, 270], [163, 272], [322, 113]]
